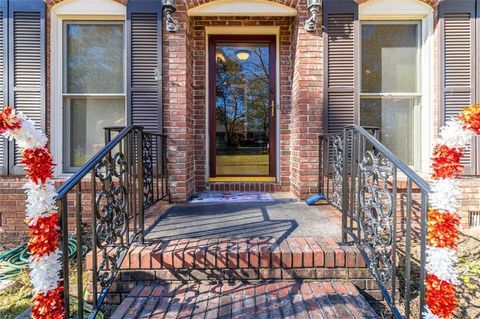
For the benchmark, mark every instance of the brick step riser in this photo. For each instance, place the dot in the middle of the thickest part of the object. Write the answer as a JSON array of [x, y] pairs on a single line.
[[242, 254], [242, 260]]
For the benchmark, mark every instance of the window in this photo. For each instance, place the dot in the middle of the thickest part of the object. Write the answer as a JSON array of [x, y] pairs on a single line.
[[93, 87], [391, 94]]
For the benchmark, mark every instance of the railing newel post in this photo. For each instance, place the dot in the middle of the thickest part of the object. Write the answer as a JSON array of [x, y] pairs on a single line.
[[344, 186], [78, 218], [141, 185], [423, 248], [63, 216], [94, 238]]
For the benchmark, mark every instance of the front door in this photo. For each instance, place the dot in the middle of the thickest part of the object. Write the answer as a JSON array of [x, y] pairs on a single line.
[[242, 106]]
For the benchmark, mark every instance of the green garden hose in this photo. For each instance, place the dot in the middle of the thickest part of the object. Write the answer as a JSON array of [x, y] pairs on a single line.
[[14, 261]]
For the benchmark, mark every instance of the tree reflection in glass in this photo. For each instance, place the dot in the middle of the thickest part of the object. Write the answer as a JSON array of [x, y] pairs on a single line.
[[242, 109]]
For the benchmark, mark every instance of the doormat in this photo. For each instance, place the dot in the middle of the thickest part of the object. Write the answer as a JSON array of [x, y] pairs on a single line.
[[232, 197]]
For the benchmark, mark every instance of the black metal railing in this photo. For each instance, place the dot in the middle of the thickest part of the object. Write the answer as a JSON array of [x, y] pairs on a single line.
[[103, 205], [384, 212]]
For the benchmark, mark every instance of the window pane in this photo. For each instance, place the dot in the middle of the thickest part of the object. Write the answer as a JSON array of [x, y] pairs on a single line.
[[389, 58], [88, 117], [94, 58], [396, 118]]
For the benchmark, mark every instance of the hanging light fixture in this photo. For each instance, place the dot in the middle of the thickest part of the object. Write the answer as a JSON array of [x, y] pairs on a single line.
[[169, 7], [243, 54], [314, 9]]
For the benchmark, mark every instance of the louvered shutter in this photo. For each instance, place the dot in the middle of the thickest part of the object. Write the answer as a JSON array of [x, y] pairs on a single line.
[[26, 65], [144, 45], [457, 60], [341, 48], [3, 80]]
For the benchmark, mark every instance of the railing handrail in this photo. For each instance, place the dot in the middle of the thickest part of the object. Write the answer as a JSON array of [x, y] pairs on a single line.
[[78, 176], [410, 173]]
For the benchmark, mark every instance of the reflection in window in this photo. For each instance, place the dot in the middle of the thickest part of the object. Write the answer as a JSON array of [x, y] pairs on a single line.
[[94, 94], [390, 88], [242, 110]]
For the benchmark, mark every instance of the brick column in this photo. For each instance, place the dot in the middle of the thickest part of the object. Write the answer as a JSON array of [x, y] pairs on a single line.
[[307, 104], [178, 106]]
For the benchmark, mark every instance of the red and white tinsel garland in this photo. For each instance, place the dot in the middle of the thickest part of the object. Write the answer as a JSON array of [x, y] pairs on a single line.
[[41, 215], [443, 220]]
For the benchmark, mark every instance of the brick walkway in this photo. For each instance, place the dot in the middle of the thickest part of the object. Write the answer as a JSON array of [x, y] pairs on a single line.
[[280, 299]]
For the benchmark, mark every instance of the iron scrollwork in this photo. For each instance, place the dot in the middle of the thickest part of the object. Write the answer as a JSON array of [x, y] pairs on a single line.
[[376, 207], [148, 177], [337, 174], [111, 215]]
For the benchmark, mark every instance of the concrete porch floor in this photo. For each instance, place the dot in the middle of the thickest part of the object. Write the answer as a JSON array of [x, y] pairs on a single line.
[[285, 217]]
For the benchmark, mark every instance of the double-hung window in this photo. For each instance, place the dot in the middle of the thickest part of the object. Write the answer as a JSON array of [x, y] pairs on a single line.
[[391, 95], [93, 87]]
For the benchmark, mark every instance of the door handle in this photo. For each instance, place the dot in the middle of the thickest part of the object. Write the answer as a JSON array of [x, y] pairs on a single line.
[[272, 108]]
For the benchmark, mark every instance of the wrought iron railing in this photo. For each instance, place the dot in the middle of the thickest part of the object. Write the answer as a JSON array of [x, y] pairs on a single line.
[[103, 205], [384, 212]]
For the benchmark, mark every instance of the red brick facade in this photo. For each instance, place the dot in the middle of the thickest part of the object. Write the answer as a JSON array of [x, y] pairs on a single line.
[[184, 107]]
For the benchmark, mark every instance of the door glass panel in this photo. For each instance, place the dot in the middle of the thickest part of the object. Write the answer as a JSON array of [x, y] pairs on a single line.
[[242, 109], [390, 89]]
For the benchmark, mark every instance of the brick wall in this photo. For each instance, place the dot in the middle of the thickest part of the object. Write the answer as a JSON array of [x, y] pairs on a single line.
[[307, 105], [184, 105], [177, 106]]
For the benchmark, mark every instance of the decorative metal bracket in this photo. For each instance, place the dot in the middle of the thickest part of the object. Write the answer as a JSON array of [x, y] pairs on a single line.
[[169, 7], [313, 8]]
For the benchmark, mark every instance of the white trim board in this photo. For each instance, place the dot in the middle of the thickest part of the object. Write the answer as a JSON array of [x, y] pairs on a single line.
[[242, 8]]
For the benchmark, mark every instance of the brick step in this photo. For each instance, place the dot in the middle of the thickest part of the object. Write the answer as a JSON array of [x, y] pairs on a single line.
[[248, 259], [244, 253], [274, 299]]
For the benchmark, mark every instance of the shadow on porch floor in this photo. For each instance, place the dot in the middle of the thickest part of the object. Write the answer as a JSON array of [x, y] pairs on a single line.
[[285, 217]]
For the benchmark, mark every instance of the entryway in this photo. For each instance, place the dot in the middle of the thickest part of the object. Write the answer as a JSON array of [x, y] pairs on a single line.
[[242, 107]]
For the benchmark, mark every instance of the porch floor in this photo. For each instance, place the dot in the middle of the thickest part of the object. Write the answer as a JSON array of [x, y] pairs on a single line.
[[285, 217]]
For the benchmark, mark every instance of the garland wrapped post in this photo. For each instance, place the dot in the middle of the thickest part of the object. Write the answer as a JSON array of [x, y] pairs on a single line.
[[443, 219], [41, 214]]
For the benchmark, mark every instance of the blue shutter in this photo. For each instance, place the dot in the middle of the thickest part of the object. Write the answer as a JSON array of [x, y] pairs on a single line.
[[457, 65], [144, 49], [3, 80], [341, 51], [26, 47]]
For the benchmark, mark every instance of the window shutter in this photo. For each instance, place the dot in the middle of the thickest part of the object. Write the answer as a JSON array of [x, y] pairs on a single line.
[[26, 65], [341, 48], [457, 61], [144, 49], [3, 80]]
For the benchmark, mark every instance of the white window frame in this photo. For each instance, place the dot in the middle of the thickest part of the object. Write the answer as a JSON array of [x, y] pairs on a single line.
[[73, 10], [408, 10]]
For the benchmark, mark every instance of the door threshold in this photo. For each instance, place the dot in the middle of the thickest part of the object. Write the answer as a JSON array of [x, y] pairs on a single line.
[[224, 179]]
